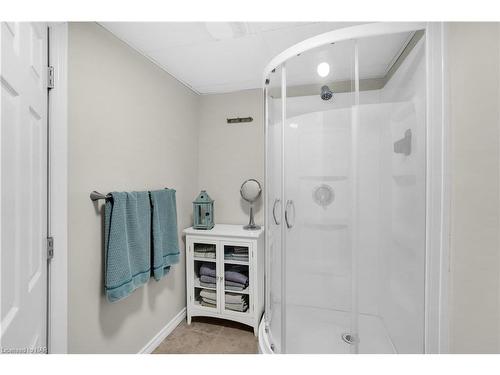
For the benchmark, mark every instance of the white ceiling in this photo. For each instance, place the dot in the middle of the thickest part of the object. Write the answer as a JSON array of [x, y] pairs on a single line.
[[219, 57], [209, 65]]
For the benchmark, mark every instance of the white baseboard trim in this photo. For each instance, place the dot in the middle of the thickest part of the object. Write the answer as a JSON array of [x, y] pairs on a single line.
[[164, 332]]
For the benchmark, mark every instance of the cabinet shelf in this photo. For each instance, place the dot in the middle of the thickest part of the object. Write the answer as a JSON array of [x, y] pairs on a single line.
[[197, 284], [244, 291], [213, 260], [239, 262], [199, 305], [246, 312]]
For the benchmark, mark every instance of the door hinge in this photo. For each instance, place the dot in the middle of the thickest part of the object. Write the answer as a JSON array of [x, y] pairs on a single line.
[[50, 77], [50, 248]]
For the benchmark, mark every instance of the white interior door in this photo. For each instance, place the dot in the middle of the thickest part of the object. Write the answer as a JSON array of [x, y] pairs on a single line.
[[23, 233]]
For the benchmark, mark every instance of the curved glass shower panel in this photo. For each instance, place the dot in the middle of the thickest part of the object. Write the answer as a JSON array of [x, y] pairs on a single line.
[[391, 200], [274, 109], [320, 95]]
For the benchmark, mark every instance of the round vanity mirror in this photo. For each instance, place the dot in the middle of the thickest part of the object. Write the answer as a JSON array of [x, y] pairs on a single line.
[[250, 191]]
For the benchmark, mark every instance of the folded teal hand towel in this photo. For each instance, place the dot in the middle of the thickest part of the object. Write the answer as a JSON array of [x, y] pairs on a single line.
[[127, 241], [165, 237]]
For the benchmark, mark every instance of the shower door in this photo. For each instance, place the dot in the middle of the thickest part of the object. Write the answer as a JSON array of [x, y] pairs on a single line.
[[274, 171], [319, 225], [346, 197]]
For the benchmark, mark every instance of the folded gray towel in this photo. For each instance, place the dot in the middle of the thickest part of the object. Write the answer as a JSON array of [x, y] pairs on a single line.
[[204, 255], [200, 249], [208, 269], [237, 308], [236, 257], [234, 298], [235, 288], [208, 279], [235, 276], [209, 300], [228, 306], [240, 304], [232, 283], [207, 293], [208, 285], [206, 304]]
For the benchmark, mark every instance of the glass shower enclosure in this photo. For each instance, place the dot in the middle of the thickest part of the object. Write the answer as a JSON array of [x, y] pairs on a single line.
[[345, 196]]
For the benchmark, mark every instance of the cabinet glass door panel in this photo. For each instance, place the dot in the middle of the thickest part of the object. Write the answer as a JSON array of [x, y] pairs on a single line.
[[237, 278], [206, 275]]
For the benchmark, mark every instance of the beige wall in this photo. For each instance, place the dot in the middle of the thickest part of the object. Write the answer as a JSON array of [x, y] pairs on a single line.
[[473, 55], [131, 127], [231, 153]]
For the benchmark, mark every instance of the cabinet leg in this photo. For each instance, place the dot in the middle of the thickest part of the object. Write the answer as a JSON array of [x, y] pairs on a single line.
[[256, 330], [189, 319]]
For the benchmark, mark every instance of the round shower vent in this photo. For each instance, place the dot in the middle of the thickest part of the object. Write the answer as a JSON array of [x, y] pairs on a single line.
[[323, 195]]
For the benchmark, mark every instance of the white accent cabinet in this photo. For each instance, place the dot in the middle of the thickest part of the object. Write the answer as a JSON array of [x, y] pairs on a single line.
[[217, 247]]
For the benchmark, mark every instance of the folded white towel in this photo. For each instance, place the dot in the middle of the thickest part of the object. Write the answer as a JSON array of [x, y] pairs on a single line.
[[210, 294]]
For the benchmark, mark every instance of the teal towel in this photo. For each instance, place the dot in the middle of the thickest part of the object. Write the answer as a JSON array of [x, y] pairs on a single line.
[[165, 237], [127, 243]]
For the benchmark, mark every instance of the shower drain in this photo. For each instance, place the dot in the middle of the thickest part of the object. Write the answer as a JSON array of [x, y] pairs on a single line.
[[348, 338]]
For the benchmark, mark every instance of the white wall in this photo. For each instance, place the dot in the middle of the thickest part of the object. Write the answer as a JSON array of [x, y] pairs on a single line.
[[231, 153], [131, 127], [473, 55]]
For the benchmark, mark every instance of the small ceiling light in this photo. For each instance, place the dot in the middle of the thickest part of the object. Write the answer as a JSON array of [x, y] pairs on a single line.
[[323, 69]]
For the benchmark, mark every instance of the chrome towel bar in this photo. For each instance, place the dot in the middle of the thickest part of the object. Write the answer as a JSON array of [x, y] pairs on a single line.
[[95, 196]]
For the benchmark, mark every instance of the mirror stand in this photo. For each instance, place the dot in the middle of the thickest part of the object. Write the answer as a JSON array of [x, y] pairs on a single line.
[[251, 225]]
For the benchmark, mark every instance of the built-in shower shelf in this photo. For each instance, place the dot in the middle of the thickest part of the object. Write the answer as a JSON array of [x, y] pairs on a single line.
[[318, 271], [405, 179], [325, 178], [335, 225]]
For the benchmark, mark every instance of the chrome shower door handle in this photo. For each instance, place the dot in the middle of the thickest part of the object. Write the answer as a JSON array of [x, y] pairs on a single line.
[[289, 204], [276, 201]]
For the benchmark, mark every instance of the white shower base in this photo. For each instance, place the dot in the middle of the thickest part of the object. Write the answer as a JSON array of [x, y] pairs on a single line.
[[319, 331]]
